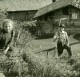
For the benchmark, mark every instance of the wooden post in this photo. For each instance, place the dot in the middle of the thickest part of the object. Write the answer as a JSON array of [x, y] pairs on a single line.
[[47, 53], [19, 69]]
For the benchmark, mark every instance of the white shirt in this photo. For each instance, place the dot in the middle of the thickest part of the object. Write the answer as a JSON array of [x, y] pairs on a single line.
[[61, 36]]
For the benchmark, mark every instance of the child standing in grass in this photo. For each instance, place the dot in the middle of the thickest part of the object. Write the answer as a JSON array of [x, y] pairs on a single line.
[[7, 37], [63, 41]]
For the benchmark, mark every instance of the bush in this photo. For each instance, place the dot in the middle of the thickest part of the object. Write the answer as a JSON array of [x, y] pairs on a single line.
[[40, 66], [13, 66], [3, 15], [35, 65]]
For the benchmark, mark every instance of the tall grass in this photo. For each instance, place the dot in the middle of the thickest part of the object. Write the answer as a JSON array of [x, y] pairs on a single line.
[[35, 65], [40, 66], [14, 65]]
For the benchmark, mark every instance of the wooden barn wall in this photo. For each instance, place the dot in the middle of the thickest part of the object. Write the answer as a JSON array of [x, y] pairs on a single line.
[[22, 15], [31, 14], [47, 22]]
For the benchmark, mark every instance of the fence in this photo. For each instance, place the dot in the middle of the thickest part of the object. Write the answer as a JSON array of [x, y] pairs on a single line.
[[54, 49]]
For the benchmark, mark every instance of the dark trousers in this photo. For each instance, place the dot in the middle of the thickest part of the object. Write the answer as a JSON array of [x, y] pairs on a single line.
[[60, 48]]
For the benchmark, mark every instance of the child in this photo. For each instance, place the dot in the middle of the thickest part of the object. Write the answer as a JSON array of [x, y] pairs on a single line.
[[7, 36], [63, 41]]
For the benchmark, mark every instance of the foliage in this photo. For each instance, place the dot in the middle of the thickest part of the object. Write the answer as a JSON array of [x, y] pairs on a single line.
[[35, 65], [13, 66], [3, 15], [40, 66], [26, 63]]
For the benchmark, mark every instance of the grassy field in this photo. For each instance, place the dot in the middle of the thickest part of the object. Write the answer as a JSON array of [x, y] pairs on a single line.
[[44, 44], [34, 62], [39, 65], [30, 60]]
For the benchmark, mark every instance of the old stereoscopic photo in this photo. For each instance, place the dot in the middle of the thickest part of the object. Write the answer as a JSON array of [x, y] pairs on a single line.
[[39, 38]]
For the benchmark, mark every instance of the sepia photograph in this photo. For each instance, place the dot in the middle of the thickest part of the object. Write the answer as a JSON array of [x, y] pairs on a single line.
[[39, 38]]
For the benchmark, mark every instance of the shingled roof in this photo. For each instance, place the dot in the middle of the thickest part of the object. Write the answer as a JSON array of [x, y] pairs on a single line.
[[23, 5], [54, 6]]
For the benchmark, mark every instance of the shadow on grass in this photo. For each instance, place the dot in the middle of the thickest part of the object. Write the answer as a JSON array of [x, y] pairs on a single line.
[[48, 50], [77, 37], [45, 36]]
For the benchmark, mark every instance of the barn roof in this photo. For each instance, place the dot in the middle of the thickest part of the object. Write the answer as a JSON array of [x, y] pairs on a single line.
[[54, 6], [23, 5]]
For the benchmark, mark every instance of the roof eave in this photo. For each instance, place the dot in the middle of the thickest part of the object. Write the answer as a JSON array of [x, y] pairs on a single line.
[[19, 10], [76, 7], [51, 11]]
